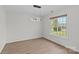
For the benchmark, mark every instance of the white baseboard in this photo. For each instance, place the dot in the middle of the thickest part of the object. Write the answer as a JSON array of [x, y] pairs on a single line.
[[70, 47], [21, 39], [1, 47], [73, 48]]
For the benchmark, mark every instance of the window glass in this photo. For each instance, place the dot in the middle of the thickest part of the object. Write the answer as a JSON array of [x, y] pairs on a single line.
[[59, 26]]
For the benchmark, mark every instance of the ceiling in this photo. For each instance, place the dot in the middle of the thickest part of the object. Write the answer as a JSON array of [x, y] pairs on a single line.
[[29, 9]]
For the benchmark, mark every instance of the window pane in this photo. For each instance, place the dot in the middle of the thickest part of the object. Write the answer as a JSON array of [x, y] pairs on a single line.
[[59, 26]]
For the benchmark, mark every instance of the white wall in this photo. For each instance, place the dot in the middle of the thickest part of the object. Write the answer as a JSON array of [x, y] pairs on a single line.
[[20, 27], [73, 26], [2, 28], [73, 31]]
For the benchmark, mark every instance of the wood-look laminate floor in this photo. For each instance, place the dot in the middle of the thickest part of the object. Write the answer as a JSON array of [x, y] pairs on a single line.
[[35, 46]]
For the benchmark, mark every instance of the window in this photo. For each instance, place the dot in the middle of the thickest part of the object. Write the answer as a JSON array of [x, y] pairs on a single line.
[[59, 25]]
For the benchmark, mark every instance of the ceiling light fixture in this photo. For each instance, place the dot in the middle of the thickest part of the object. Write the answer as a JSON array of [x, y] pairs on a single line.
[[36, 6]]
